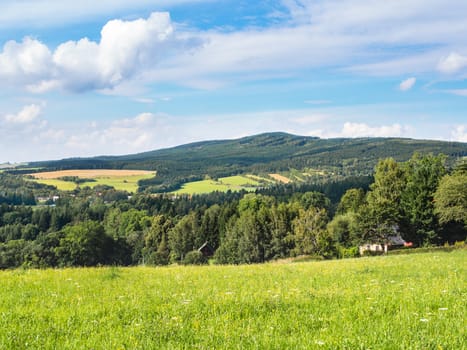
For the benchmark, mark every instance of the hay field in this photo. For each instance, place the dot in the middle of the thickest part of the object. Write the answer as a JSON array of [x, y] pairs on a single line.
[[280, 178]]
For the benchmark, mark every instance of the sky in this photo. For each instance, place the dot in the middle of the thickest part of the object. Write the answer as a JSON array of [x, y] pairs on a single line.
[[112, 77]]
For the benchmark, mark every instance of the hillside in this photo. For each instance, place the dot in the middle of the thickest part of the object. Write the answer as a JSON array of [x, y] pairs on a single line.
[[264, 153]]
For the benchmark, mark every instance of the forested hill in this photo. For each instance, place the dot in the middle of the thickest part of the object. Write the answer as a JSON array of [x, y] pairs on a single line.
[[266, 153]]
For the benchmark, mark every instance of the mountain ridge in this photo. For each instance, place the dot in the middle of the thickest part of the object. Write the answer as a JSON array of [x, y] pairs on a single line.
[[264, 153]]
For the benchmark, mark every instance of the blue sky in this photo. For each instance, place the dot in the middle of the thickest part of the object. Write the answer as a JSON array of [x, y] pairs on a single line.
[[84, 78]]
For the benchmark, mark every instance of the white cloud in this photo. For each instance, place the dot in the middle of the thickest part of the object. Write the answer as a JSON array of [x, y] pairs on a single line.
[[364, 130], [25, 61], [353, 35], [26, 115], [147, 131], [351, 130], [460, 133], [407, 84], [453, 63], [126, 49]]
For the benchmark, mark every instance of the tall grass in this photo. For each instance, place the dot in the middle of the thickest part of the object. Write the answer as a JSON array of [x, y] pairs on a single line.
[[390, 302]]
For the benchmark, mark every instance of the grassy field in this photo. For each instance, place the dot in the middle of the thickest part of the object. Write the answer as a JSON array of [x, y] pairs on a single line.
[[391, 302], [60, 184], [125, 180], [233, 183]]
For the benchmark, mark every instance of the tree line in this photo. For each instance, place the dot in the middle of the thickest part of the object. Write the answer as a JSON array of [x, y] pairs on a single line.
[[419, 199]]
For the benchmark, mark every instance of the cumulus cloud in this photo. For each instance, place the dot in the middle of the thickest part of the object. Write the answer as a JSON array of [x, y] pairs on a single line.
[[351, 130], [460, 133], [26, 115], [126, 49], [452, 63], [364, 130], [25, 61], [313, 34], [407, 84]]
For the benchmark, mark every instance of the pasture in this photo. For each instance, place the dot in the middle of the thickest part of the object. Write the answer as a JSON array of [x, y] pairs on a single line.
[[389, 302], [125, 180], [223, 184]]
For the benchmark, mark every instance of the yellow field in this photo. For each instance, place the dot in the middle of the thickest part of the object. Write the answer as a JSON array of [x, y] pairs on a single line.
[[89, 173], [280, 178], [125, 180]]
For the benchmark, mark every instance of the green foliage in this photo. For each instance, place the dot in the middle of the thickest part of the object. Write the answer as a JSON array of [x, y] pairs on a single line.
[[184, 238], [194, 258], [261, 154], [451, 198], [351, 252], [344, 229], [423, 174], [84, 244], [103, 226], [310, 234], [384, 199], [352, 200]]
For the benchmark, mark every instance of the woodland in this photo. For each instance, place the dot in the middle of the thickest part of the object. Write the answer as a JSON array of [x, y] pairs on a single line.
[[423, 200]]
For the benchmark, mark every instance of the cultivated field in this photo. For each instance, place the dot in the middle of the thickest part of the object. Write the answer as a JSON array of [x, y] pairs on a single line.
[[233, 183], [280, 178], [391, 302], [125, 180]]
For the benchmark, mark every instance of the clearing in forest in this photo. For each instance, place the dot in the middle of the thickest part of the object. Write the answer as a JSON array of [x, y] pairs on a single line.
[[125, 180], [280, 178], [223, 184]]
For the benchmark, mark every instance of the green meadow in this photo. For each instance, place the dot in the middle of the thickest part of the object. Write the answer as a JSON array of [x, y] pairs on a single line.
[[127, 183], [390, 302], [59, 184], [223, 184]]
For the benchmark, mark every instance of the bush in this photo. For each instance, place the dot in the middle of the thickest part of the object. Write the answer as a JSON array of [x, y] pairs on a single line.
[[157, 258], [351, 252], [194, 258]]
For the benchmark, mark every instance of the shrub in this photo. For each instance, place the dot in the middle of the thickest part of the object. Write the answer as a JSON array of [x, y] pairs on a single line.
[[351, 252], [194, 258]]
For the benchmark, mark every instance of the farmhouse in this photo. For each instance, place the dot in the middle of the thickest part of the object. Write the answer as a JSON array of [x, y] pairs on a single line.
[[392, 242], [206, 250]]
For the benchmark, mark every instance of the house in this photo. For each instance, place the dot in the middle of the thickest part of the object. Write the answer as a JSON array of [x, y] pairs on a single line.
[[206, 250], [392, 242]]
